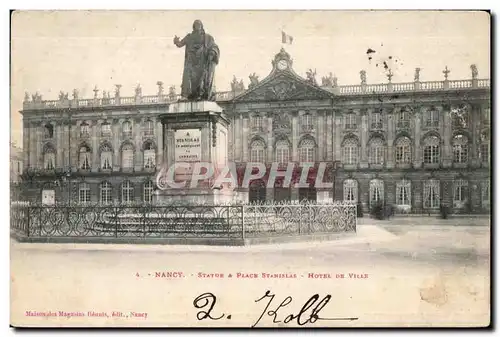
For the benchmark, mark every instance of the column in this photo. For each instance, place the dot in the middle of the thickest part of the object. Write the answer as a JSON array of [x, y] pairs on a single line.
[[295, 137], [244, 135], [58, 133], [38, 142], [319, 127], [364, 138], [338, 135], [270, 140], [475, 118], [159, 143], [137, 136], [417, 134], [237, 153], [390, 139], [95, 145], [115, 133], [230, 140], [73, 145], [26, 145], [331, 130], [445, 141]]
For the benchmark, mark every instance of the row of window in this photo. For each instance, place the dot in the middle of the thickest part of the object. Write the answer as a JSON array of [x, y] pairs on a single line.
[[106, 192], [105, 129], [431, 117], [106, 157], [403, 150], [431, 192], [376, 151]]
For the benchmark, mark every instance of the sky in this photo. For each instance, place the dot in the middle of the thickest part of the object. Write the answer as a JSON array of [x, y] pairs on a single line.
[[63, 50]]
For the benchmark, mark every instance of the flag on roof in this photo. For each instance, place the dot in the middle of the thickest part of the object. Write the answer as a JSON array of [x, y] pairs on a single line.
[[285, 38]]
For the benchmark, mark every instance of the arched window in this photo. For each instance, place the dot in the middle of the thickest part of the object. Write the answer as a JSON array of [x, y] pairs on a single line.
[[432, 194], [127, 129], [149, 155], [376, 151], [106, 157], [83, 193], [431, 117], [403, 193], [148, 192], [127, 156], [306, 150], [431, 150], [105, 129], [350, 151], [403, 118], [49, 158], [403, 150], [484, 147], [84, 158], [460, 193], [105, 193], [127, 192], [282, 152], [350, 190], [149, 128], [376, 191], [49, 131], [257, 151], [460, 149]]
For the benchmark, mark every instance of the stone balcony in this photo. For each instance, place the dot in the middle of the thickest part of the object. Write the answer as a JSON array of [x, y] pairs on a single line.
[[224, 96]]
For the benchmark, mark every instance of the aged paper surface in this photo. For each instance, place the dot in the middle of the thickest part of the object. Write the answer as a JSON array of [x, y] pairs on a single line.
[[396, 105]]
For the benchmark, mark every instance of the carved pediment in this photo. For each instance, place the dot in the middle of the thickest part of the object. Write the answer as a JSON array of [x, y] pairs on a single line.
[[284, 86]]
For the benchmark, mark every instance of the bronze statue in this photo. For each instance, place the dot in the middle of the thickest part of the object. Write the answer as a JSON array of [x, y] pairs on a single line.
[[201, 57]]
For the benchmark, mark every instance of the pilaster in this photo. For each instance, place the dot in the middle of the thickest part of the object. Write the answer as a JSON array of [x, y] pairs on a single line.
[[244, 120], [295, 137], [364, 138], [390, 139], [446, 140], [159, 142], [417, 135], [337, 135], [95, 146]]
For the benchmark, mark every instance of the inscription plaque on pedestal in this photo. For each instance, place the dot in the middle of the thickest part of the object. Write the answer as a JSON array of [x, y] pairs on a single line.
[[187, 149]]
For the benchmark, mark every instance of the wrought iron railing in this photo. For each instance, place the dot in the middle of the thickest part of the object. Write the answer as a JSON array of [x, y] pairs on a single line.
[[232, 221]]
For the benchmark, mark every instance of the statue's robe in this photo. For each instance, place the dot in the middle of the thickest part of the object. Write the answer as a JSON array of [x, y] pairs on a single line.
[[198, 76]]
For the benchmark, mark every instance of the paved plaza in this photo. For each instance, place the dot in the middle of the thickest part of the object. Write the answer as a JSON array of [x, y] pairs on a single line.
[[416, 272]]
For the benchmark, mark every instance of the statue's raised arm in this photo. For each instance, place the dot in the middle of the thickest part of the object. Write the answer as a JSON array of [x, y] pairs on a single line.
[[179, 43], [201, 57]]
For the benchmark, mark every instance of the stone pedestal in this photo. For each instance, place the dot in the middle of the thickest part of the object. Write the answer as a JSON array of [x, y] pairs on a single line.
[[194, 132]]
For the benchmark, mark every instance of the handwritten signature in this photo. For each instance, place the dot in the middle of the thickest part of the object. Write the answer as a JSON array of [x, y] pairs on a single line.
[[309, 313]]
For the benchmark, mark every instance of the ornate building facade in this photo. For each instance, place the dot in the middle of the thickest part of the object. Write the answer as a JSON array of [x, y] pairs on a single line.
[[415, 145]]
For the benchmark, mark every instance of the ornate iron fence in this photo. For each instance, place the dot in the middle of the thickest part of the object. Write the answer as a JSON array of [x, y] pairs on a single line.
[[279, 219], [235, 221]]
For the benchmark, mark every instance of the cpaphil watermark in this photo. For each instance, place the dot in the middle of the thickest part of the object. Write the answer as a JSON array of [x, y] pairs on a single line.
[[184, 175]]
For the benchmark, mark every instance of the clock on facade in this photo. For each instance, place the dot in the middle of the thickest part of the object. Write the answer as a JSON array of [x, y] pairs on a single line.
[[282, 64]]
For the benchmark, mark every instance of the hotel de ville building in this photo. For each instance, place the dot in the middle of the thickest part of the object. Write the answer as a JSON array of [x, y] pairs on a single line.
[[414, 145]]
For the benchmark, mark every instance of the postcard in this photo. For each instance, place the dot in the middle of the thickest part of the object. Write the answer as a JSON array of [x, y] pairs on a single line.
[[250, 169]]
